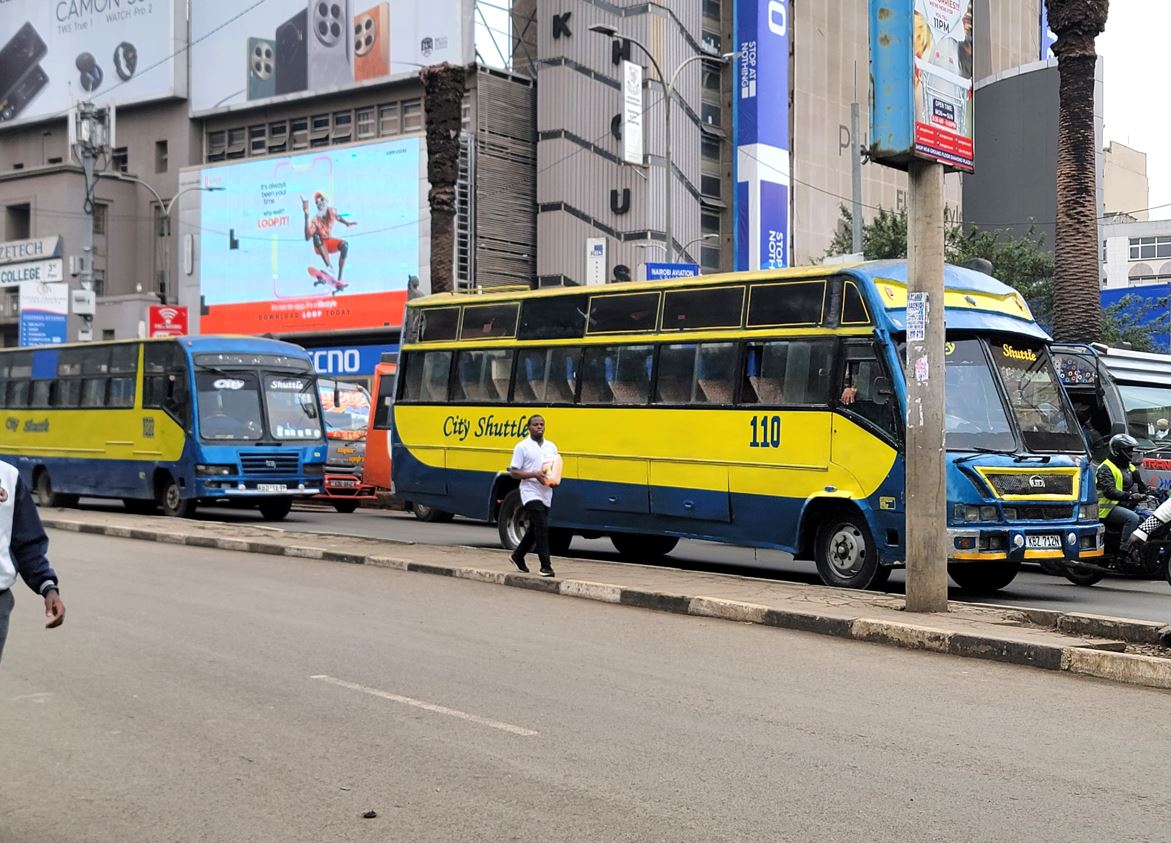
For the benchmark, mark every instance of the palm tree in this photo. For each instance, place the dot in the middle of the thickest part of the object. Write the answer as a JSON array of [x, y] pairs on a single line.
[[1077, 307], [443, 95]]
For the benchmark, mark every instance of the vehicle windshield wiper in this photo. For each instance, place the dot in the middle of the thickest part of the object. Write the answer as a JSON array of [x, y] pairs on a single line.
[[215, 369], [1000, 452]]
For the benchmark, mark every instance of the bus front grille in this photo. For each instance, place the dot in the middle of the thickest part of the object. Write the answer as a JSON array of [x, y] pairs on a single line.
[[269, 465]]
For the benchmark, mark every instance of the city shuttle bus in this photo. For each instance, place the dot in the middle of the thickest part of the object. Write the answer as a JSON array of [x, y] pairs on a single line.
[[761, 409], [165, 423]]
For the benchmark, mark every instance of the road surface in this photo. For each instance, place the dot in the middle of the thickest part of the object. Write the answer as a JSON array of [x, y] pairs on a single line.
[[202, 695]]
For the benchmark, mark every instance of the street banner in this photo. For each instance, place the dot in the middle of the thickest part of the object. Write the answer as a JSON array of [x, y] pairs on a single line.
[[632, 142], [761, 118], [166, 321], [44, 313]]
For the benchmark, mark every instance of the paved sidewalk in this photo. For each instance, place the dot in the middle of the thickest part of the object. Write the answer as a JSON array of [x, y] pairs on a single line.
[[1085, 644]]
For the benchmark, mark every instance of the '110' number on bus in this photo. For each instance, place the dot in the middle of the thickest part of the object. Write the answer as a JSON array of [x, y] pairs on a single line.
[[766, 432]]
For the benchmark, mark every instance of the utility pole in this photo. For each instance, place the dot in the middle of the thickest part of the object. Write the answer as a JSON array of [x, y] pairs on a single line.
[[926, 497], [856, 177], [90, 135]]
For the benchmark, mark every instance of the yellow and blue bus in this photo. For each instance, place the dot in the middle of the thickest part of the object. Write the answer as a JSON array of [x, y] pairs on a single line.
[[761, 409], [165, 423]]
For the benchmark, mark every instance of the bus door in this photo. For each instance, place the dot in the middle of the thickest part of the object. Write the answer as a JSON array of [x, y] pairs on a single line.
[[377, 469]]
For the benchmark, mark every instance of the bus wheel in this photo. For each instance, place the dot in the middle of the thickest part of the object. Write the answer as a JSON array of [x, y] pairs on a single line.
[[845, 553], [512, 521], [345, 507], [430, 514], [172, 501], [559, 540], [983, 578], [45, 494], [638, 547], [139, 506], [274, 509]]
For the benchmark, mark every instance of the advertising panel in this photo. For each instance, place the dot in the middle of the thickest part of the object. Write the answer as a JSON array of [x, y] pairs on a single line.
[[44, 313], [632, 143], [761, 114], [292, 48], [921, 96], [166, 321], [43, 271], [112, 51], [349, 360], [321, 241]]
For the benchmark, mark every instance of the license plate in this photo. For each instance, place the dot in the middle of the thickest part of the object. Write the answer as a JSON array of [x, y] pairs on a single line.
[[272, 487], [344, 484], [1043, 542]]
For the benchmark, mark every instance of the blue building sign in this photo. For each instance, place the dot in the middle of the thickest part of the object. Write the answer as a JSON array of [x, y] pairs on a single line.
[[1146, 305], [761, 121], [349, 360], [664, 271]]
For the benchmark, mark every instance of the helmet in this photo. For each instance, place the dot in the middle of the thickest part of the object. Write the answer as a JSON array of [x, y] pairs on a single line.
[[1122, 445]]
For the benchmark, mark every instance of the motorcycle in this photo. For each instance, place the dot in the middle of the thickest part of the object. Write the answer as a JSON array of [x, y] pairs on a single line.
[[1146, 556]]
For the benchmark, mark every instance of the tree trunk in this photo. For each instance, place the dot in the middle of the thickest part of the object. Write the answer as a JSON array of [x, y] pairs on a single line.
[[443, 94], [1077, 309]]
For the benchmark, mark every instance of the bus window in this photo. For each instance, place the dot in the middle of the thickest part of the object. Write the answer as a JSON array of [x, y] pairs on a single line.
[[482, 376], [853, 307], [385, 401], [164, 383], [426, 376], [623, 313], [553, 318], [792, 303], [40, 394], [720, 307], [866, 388], [696, 373], [547, 376], [438, 324], [93, 392], [787, 373], [485, 321], [617, 374]]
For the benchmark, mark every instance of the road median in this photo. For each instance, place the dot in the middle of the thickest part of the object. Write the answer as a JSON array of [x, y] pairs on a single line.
[[1085, 645]]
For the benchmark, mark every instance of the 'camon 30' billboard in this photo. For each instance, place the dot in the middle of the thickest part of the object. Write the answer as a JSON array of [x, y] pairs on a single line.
[[110, 51], [323, 241], [290, 48]]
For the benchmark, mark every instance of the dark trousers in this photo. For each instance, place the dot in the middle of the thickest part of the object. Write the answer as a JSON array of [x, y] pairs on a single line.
[[1125, 520], [537, 533], [6, 604]]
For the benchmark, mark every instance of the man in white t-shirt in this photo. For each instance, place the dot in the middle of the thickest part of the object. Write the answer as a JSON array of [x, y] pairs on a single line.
[[532, 459]]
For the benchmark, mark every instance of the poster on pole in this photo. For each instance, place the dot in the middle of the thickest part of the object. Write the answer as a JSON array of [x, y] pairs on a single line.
[[44, 313], [632, 142]]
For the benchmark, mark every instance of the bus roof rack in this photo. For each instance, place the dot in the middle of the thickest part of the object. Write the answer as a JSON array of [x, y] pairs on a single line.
[[480, 289]]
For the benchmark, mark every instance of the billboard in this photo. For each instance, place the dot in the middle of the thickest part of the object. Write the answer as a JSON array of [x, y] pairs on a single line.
[[922, 105], [110, 51], [321, 241], [44, 313], [293, 48], [761, 117], [1048, 36]]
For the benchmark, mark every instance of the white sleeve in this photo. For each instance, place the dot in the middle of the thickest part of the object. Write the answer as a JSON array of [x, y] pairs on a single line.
[[517, 456]]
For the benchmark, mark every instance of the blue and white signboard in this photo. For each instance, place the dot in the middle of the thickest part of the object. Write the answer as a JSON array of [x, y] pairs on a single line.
[[761, 116], [665, 271], [44, 313], [350, 360]]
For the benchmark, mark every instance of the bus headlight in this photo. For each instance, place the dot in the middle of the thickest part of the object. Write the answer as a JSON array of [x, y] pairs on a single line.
[[1088, 512], [317, 470], [964, 513], [215, 470]]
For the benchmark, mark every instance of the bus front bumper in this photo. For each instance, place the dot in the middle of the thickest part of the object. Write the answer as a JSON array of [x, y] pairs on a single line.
[[1020, 544], [239, 488]]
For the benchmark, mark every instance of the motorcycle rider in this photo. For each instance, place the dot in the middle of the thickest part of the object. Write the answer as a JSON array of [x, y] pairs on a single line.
[[1120, 487]]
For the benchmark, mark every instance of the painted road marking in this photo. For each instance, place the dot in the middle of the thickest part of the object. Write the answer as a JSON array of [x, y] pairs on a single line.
[[426, 706]]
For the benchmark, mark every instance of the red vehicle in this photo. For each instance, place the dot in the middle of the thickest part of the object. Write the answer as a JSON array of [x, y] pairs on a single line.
[[377, 471], [346, 412]]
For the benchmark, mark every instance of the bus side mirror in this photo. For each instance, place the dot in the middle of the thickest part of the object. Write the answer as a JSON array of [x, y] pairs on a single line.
[[882, 391]]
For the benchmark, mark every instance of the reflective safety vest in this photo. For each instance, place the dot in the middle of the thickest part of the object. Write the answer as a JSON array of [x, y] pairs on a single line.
[[1104, 503]]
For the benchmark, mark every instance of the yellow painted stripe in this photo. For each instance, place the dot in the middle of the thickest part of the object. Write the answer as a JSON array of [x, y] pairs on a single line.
[[979, 556], [96, 434], [1087, 553], [894, 295], [1044, 554]]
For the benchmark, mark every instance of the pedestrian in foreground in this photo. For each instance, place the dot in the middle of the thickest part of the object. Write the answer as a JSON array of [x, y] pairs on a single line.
[[23, 552], [533, 461]]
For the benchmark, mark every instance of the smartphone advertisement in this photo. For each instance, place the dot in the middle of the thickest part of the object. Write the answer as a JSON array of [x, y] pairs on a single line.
[[291, 48], [943, 44], [321, 241], [112, 51]]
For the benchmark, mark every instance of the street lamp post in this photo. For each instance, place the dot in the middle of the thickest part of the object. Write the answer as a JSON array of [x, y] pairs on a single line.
[[668, 94], [167, 206]]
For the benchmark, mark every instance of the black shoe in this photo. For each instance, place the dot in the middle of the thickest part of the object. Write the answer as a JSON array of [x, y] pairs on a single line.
[[519, 563], [547, 572]]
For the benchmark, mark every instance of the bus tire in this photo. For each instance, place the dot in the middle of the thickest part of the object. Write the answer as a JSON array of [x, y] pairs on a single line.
[[171, 499], [430, 514], [345, 507], [1081, 576], [512, 521], [983, 578], [45, 494], [845, 553], [640, 547], [274, 509], [140, 506]]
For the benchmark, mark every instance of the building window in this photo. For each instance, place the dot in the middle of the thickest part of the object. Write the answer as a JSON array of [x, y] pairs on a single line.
[[162, 222], [710, 185], [367, 125], [412, 115], [257, 140], [18, 221], [120, 160], [99, 282], [710, 148], [108, 334], [712, 78], [100, 209], [319, 130], [54, 160], [343, 126], [237, 141], [710, 114], [1145, 248], [217, 142], [389, 122], [709, 222], [711, 9], [300, 130], [711, 41], [709, 257], [278, 136], [160, 156]]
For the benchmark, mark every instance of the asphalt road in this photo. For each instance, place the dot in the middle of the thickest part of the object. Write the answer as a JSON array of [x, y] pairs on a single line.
[[201, 695], [1141, 599]]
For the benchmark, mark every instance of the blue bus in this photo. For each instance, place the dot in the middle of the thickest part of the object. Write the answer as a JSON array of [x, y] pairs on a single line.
[[165, 423], [763, 409]]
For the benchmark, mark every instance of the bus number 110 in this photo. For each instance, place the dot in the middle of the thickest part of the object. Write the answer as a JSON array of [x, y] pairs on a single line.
[[766, 432]]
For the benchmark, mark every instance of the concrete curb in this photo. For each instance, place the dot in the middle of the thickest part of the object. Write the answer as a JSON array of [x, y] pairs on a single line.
[[1102, 660]]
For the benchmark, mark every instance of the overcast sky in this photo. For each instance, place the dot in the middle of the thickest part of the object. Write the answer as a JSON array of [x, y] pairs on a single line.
[[1135, 47]]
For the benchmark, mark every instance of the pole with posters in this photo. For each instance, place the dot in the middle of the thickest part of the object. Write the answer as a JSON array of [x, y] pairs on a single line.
[[921, 121]]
